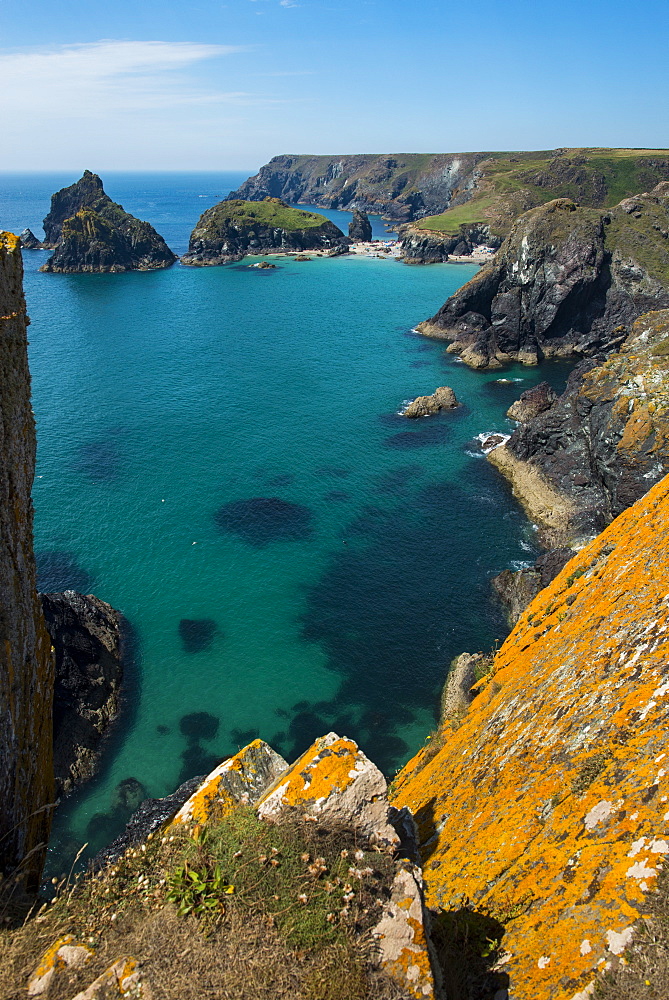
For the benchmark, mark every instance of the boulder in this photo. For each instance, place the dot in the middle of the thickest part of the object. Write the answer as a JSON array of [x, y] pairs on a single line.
[[442, 398], [65, 953], [334, 784], [532, 402]]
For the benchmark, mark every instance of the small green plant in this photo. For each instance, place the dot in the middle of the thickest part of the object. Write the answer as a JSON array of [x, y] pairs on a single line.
[[575, 575], [200, 891]]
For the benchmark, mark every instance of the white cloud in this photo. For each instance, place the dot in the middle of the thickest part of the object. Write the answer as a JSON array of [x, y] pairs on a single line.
[[75, 81]]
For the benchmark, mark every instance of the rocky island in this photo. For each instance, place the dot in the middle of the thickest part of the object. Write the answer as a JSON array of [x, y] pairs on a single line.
[[360, 228], [232, 229], [90, 233]]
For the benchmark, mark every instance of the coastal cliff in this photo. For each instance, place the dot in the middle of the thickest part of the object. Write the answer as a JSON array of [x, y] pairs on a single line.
[[92, 234], [232, 229], [567, 281], [27, 667], [545, 807]]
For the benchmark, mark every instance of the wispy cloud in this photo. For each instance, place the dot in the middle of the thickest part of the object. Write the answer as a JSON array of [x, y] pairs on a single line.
[[108, 76]]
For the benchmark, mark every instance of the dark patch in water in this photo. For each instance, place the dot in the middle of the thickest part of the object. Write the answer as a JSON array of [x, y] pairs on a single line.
[[397, 480], [240, 737], [337, 496], [392, 420], [392, 610], [128, 795], [199, 726], [162, 730], [428, 433], [261, 520], [197, 634], [59, 570], [420, 364], [197, 761], [99, 460], [281, 712], [283, 479]]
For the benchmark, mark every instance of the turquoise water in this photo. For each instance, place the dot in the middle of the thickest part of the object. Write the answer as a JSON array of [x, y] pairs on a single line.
[[220, 457]]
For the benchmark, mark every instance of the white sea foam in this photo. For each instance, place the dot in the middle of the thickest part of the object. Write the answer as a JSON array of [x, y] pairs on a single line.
[[481, 438]]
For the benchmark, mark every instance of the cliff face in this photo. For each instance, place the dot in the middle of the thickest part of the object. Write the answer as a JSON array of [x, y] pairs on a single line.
[[546, 807], [91, 233], [232, 229], [360, 228], [27, 668], [566, 281], [425, 246]]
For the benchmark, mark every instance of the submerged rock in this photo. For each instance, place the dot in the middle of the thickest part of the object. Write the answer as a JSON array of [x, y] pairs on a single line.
[[197, 634], [261, 520], [91, 233], [360, 228], [232, 229], [86, 635], [442, 398]]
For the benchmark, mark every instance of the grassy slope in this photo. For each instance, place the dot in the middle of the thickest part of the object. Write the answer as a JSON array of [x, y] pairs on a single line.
[[610, 175], [270, 212]]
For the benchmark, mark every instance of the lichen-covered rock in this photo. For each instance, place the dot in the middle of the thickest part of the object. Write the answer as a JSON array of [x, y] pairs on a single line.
[[532, 402], [604, 442], [360, 228], [240, 780], [335, 784], [232, 229], [442, 398], [91, 233], [86, 634], [65, 953], [401, 937], [566, 281], [122, 979], [26, 661], [548, 806]]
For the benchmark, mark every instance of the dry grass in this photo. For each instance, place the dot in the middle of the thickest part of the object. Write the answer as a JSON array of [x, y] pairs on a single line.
[[295, 926]]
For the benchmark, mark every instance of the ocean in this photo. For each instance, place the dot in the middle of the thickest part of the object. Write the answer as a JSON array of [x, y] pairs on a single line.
[[220, 457]]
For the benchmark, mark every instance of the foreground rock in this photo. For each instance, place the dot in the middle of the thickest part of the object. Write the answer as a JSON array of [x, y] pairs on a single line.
[[86, 635], [532, 402], [91, 233], [360, 228], [424, 246], [566, 281], [547, 806], [600, 446], [442, 398], [232, 229]]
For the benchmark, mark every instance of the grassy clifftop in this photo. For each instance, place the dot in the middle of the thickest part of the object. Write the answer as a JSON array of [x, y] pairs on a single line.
[[270, 212]]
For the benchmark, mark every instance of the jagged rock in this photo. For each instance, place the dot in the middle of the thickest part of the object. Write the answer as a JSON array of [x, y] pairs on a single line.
[[401, 936], [424, 246], [338, 251], [442, 398], [602, 444], [26, 663], [550, 797], [456, 696], [86, 635], [566, 281], [240, 780], [65, 953], [232, 229], [29, 241], [334, 784], [91, 233], [122, 979], [360, 228], [532, 402], [516, 589]]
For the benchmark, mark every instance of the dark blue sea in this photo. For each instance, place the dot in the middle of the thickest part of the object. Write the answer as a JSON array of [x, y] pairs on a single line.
[[221, 458]]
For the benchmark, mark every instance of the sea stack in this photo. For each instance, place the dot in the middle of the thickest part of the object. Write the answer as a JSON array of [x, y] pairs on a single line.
[[29, 241], [93, 234], [360, 228], [232, 229]]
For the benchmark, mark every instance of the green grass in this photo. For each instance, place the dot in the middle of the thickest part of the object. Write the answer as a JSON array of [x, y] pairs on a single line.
[[449, 222], [270, 212]]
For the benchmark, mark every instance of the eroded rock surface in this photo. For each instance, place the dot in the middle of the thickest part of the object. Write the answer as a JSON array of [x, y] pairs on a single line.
[[360, 228], [548, 804], [29, 241], [566, 281], [442, 398], [532, 402]]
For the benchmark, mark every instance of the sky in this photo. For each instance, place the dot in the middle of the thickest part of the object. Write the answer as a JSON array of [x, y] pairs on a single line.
[[204, 85]]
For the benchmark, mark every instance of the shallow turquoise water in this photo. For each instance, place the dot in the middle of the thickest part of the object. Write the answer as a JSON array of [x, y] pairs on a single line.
[[162, 397]]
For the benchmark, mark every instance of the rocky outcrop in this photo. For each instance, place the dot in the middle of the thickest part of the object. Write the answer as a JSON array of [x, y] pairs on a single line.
[[518, 588], [567, 281], [602, 444], [457, 696], [232, 229], [86, 635], [442, 398], [546, 807], [29, 241], [26, 661], [426, 246], [532, 402], [360, 228], [91, 233]]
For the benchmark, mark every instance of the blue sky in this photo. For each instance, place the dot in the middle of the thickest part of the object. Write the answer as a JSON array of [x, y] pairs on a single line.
[[161, 84]]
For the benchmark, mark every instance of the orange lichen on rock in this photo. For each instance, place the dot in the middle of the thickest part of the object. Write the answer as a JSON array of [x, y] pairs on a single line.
[[549, 806], [335, 783], [239, 780], [64, 953], [121, 979], [404, 950]]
